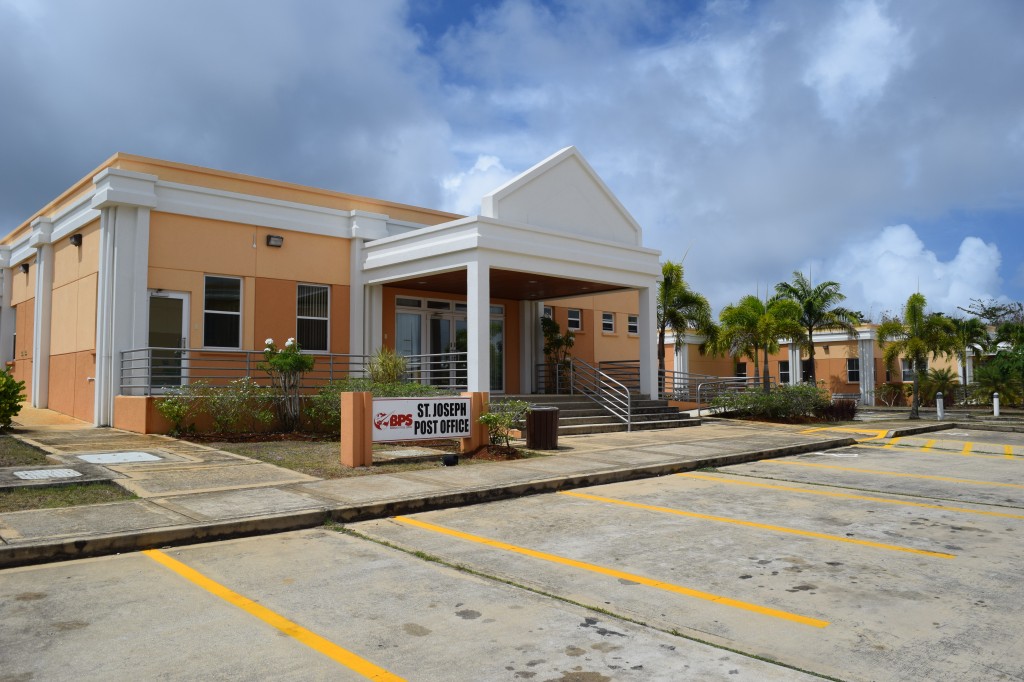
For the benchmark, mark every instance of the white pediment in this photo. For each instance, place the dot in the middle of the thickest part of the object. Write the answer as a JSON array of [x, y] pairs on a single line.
[[563, 193]]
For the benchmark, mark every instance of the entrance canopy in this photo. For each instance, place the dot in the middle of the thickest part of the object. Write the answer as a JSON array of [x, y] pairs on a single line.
[[555, 231]]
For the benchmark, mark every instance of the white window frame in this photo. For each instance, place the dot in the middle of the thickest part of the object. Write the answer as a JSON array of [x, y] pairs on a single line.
[[608, 323], [548, 312], [326, 319], [851, 371], [785, 372], [633, 325], [579, 320], [907, 370], [241, 307], [744, 374]]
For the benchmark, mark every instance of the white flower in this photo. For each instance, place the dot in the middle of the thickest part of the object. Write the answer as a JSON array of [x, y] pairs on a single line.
[[269, 342], [289, 343]]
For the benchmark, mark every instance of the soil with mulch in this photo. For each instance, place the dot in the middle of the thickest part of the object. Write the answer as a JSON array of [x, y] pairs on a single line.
[[258, 437], [498, 453]]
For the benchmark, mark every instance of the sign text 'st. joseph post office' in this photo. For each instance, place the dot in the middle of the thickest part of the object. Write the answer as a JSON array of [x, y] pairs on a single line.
[[420, 418]]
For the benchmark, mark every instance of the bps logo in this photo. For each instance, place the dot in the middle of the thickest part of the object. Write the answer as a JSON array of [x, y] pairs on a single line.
[[383, 420]]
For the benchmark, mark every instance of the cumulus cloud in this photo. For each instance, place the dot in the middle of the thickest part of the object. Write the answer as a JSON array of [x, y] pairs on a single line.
[[464, 190], [878, 274]]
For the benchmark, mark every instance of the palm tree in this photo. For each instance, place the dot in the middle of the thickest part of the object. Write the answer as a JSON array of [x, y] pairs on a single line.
[[820, 310], [915, 337], [970, 335], [679, 308], [753, 326]]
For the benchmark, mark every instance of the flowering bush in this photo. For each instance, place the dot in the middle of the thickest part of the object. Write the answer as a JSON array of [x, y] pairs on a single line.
[[286, 367]]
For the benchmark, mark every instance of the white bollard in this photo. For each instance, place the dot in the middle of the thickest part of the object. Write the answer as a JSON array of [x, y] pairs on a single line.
[[940, 405], [995, 404]]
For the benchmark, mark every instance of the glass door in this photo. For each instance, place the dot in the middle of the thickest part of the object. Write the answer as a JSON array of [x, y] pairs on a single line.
[[497, 355], [168, 338]]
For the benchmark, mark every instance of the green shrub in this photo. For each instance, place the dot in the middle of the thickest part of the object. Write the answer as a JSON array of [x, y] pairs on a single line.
[[182, 404], [891, 394], [501, 417], [842, 410], [386, 367], [241, 406], [783, 402], [286, 367], [12, 393]]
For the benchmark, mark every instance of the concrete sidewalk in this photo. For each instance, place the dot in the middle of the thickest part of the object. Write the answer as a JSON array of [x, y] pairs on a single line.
[[191, 493]]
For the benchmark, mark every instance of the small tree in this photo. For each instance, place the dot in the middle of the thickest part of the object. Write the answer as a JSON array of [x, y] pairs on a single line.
[[914, 337], [286, 367], [386, 366], [556, 347], [503, 416]]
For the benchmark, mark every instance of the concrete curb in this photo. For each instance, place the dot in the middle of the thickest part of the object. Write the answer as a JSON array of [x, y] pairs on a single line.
[[102, 545], [915, 430]]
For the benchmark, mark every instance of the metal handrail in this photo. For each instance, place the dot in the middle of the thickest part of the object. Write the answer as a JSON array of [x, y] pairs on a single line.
[[152, 370], [731, 384], [606, 391]]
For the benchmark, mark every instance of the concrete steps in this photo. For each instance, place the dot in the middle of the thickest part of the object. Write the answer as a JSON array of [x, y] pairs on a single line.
[[578, 415]]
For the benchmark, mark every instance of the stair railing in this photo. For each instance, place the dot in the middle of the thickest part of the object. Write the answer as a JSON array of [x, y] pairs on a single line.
[[612, 395]]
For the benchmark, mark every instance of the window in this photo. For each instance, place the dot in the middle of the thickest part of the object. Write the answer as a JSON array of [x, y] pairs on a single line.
[[222, 312], [908, 369], [741, 369], [633, 324], [313, 318], [608, 322], [575, 320], [783, 371], [853, 370], [547, 312]]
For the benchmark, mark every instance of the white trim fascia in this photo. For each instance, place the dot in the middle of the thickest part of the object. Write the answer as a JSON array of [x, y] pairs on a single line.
[[216, 204], [64, 223], [489, 200], [554, 253]]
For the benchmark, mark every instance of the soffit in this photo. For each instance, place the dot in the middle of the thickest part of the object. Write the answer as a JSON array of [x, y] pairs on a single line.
[[508, 284]]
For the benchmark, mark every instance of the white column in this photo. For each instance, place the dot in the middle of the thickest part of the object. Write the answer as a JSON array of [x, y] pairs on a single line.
[[356, 300], [866, 351], [529, 323], [796, 375], [7, 313], [40, 240], [648, 341], [373, 312], [478, 325], [124, 199]]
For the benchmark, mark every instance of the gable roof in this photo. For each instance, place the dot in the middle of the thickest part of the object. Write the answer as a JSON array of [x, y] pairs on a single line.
[[563, 193]]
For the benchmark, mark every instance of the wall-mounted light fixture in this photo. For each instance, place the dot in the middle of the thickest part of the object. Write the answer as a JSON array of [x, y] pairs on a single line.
[[24, 268], [76, 240], [826, 348], [275, 240]]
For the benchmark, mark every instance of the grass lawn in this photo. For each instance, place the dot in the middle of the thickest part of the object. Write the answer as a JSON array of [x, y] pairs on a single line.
[[319, 458], [51, 497], [14, 453]]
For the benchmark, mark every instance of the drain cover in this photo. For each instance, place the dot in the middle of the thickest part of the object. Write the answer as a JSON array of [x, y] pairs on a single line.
[[119, 457], [39, 474]]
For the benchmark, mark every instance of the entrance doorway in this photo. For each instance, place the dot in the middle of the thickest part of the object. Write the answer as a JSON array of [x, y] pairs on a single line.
[[433, 334], [168, 338]]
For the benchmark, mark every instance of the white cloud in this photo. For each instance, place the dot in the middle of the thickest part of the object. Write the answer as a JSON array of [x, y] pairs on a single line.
[[877, 275], [464, 190], [855, 58]]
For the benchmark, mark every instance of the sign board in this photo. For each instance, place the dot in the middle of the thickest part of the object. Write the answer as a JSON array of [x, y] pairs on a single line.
[[420, 418]]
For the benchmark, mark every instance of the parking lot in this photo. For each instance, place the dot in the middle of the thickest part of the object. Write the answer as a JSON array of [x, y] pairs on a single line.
[[890, 560]]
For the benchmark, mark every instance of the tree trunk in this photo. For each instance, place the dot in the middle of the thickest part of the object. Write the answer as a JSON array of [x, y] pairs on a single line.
[[915, 401], [764, 370], [810, 354]]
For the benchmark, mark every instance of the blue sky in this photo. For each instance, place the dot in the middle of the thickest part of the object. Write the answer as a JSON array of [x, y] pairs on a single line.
[[877, 143]]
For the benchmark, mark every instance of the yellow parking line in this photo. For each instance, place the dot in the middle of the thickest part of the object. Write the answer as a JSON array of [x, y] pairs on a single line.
[[1008, 451], [611, 572], [955, 453], [310, 639], [893, 442], [894, 473], [967, 448], [849, 496], [877, 433], [928, 446], [760, 526]]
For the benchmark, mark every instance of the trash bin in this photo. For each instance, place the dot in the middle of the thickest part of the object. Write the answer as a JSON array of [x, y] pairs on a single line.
[[542, 428]]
